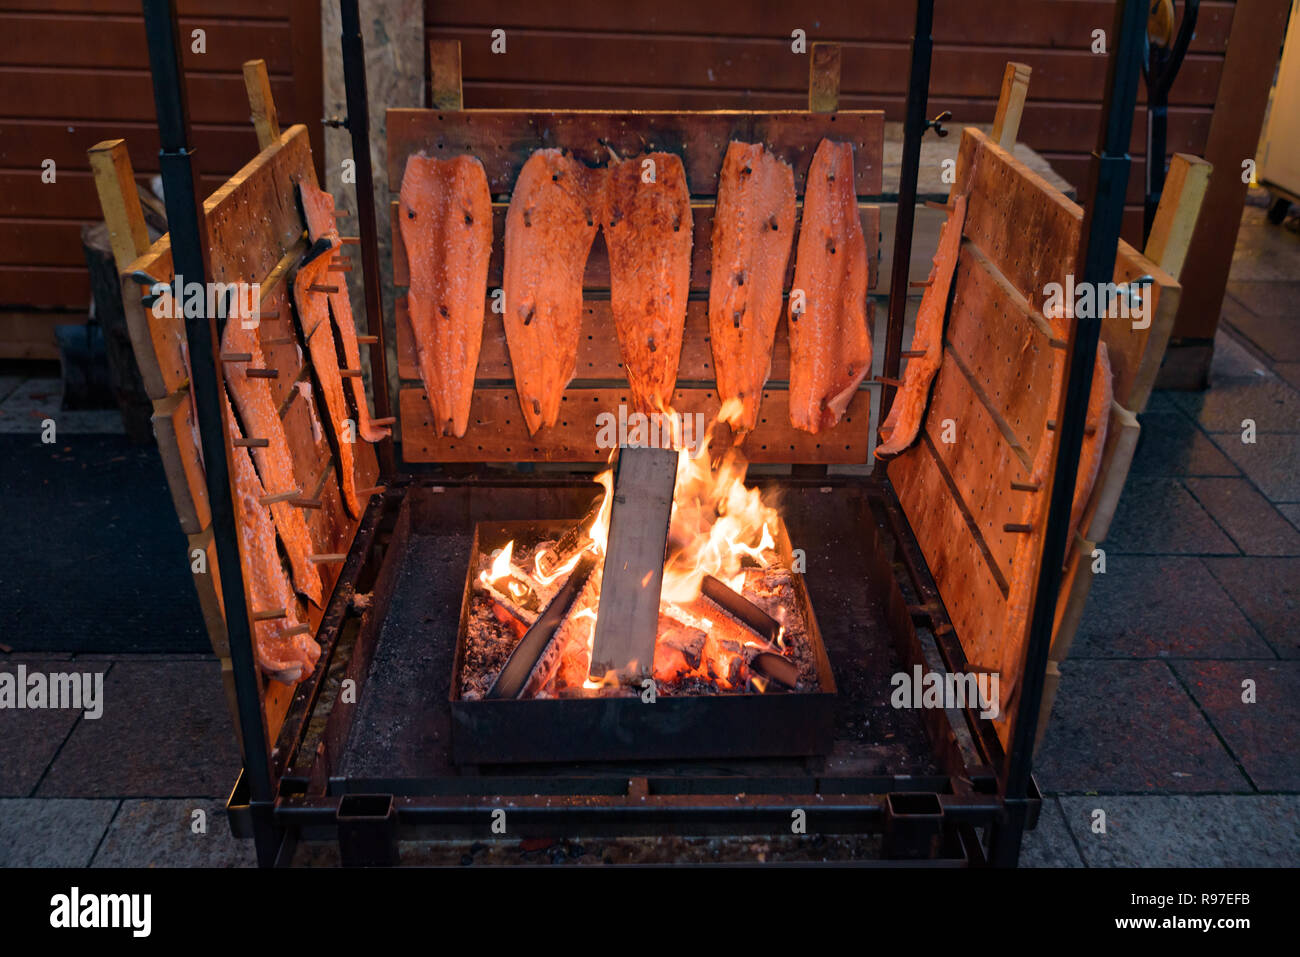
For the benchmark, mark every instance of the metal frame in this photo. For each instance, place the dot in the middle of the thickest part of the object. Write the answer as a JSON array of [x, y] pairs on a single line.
[[270, 801]]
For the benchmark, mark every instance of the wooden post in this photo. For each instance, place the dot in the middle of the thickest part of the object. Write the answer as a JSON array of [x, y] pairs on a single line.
[[120, 201], [260, 103], [824, 78], [1180, 205], [1011, 104], [445, 88]]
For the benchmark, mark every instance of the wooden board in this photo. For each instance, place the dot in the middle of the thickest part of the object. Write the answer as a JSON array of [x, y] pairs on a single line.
[[497, 432], [252, 224], [596, 277], [1030, 232], [208, 586], [177, 433], [504, 139], [627, 621]]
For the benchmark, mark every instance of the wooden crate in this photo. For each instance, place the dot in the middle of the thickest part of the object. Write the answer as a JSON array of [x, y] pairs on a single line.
[[503, 140]]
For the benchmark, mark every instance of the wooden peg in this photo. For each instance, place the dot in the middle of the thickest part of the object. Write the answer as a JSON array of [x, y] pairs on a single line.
[[913, 354], [306, 503], [260, 102], [340, 267], [367, 340], [350, 240], [1011, 104], [327, 558], [296, 630], [236, 357], [885, 380], [1058, 344], [824, 78], [350, 373], [445, 87], [386, 420], [1017, 527], [317, 287], [921, 284], [251, 443], [932, 204], [1026, 486], [270, 615], [262, 373], [375, 490], [279, 497]]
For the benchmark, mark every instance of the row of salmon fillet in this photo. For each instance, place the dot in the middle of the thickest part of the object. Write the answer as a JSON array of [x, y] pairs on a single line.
[[276, 543], [642, 204]]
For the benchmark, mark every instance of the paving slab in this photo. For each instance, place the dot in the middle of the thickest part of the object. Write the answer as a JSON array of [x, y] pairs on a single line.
[[1272, 462], [1050, 843], [1264, 734], [35, 832], [1292, 512], [1289, 372], [165, 733], [1219, 830], [1158, 516], [1129, 726], [1266, 298], [1248, 517], [163, 833], [1170, 444], [26, 407], [1271, 403], [1163, 606], [29, 738], [1274, 335], [1268, 591], [1265, 253]]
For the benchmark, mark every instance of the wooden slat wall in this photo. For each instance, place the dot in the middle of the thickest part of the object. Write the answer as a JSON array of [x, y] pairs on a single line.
[[681, 54], [504, 140], [75, 72]]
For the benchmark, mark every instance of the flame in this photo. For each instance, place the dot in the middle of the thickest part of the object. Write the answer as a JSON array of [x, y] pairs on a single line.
[[501, 565]]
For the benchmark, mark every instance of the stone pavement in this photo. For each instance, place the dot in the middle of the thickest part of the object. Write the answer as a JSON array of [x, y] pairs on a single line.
[[1199, 598]]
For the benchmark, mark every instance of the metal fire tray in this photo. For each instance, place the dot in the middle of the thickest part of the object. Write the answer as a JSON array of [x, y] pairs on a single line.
[[725, 725]]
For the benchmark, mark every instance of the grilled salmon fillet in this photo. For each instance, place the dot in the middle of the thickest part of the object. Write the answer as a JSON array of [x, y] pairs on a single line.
[[285, 656], [753, 227], [318, 206], [311, 302], [830, 345], [259, 413], [554, 213], [445, 214], [647, 228], [903, 423]]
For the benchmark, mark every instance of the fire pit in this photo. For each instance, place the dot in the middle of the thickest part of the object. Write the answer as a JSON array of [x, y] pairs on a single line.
[[738, 670]]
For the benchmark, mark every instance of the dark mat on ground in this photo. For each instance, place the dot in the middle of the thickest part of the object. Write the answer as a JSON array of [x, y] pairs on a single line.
[[94, 558]]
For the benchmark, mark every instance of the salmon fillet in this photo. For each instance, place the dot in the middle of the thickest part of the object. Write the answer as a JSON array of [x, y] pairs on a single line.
[[830, 345], [753, 228], [648, 232], [285, 657], [318, 332], [554, 213], [903, 423], [446, 221], [260, 416], [318, 206]]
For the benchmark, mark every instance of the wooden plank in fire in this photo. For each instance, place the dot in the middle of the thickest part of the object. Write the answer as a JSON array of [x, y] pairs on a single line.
[[627, 619]]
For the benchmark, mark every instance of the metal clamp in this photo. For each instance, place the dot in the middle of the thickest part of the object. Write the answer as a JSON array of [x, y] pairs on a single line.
[[936, 124]]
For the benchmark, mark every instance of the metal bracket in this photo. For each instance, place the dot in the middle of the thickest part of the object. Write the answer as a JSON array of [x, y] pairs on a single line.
[[335, 122], [913, 825], [936, 124], [367, 830]]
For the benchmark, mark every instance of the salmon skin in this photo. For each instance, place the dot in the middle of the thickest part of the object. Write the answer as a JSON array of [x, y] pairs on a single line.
[[830, 345], [285, 657], [753, 227], [318, 206], [260, 415], [446, 221], [554, 213], [903, 423], [312, 307], [648, 230]]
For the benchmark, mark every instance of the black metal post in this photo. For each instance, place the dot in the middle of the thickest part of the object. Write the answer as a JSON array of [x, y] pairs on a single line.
[[914, 126], [1160, 66], [189, 245], [358, 103], [1102, 218]]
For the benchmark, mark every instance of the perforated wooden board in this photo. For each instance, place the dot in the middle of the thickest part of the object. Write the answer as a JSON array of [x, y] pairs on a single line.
[[503, 140]]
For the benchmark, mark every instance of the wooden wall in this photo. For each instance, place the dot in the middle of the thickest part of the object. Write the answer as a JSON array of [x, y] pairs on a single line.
[[732, 53], [74, 72]]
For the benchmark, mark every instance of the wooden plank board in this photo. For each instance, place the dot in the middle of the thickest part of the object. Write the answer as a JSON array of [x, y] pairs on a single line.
[[177, 433], [598, 352], [208, 586], [975, 603], [627, 621], [1003, 348], [497, 432], [1121, 442], [597, 275], [1030, 233], [980, 463], [504, 139]]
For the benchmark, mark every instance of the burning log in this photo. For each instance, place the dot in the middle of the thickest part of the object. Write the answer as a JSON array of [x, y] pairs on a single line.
[[742, 609], [577, 538]]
